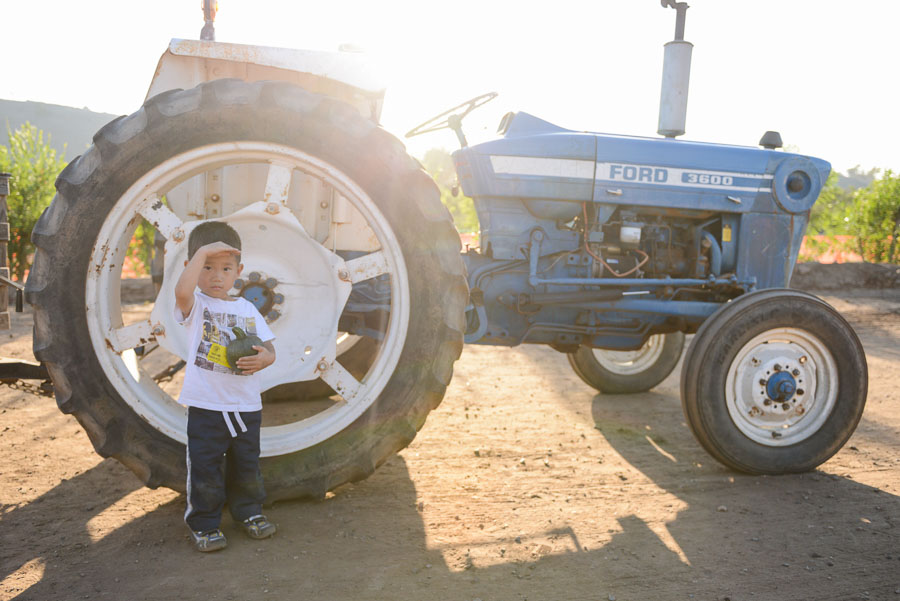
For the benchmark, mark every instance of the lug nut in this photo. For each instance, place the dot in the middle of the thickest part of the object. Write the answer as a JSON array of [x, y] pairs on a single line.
[[238, 283], [800, 391], [278, 299], [802, 359], [796, 372], [785, 406], [777, 367], [254, 277], [271, 283], [767, 402], [800, 410], [762, 382], [272, 315]]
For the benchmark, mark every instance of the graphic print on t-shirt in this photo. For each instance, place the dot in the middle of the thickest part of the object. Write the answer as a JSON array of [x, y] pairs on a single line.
[[215, 336]]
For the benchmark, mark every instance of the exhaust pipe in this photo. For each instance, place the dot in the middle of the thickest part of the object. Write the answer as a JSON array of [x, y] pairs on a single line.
[[676, 77]]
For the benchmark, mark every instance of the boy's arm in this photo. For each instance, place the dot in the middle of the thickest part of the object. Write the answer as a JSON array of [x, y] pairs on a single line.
[[187, 281], [264, 357]]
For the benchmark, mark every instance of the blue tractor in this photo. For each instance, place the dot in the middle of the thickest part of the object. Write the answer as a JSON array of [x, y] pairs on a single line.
[[607, 248], [611, 248]]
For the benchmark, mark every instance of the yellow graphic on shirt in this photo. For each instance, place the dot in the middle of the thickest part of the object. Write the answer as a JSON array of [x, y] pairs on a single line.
[[217, 332], [218, 354]]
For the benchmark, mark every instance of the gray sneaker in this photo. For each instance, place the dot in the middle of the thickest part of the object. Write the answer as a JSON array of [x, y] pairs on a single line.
[[209, 540], [258, 526]]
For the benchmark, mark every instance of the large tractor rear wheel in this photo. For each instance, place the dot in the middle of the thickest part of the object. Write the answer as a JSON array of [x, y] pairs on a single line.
[[98, 352]]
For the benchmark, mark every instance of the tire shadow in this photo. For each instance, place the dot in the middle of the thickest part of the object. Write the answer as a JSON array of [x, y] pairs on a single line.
[[814, 535], [353, 544]]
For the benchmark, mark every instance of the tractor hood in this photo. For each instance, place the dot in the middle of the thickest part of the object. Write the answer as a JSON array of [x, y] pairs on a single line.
[[537, 161]]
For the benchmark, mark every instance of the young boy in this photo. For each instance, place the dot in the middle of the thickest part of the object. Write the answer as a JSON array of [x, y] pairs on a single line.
[[224, 405]]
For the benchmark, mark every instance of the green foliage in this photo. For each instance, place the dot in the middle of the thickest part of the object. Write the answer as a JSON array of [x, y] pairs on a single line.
[[830, 219], [34, 167], [858, 213], [830, 216], [439, 164], [876, 219]]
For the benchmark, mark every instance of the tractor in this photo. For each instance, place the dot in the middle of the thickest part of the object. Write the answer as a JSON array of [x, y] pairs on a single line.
[[608, 248]]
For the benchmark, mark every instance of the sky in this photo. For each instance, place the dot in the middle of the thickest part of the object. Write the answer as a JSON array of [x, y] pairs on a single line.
[[821, 72]]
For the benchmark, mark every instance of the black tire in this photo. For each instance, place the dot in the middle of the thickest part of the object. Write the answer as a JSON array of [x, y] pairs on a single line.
[[780, 445], [231, 110], [627, 381]]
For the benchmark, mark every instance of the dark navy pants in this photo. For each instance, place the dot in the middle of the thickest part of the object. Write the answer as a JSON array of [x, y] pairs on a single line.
[[222, 465]]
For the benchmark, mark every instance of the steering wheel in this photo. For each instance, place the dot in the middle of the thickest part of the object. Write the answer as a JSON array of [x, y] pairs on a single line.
[[452, 121]]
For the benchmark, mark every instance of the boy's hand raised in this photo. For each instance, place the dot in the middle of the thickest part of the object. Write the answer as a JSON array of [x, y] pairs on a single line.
[[218, 248]]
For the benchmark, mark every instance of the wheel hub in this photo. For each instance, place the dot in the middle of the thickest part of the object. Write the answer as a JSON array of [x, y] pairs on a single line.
[[780, 383], [781, 386], [261, 292]]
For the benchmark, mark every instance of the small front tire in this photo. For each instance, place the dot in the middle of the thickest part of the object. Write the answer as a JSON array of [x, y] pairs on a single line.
[[775, 382]]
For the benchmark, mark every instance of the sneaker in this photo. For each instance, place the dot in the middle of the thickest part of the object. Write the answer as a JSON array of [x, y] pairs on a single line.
[[208, 541], [258, 526]]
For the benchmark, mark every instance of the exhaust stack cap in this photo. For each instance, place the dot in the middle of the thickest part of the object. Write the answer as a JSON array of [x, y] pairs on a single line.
[[771, 140]]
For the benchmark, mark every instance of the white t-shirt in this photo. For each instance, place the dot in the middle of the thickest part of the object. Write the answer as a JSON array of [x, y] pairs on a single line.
[[209, 383]]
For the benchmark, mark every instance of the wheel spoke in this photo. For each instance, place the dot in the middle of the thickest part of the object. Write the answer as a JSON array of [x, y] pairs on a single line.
[[130, 336], [278, 183], [154, 210], [341, 380], [367, 267]]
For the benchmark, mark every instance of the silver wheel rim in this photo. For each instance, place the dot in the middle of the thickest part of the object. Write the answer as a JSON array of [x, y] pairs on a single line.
[[628, 363], [113, 343], [806, 363]]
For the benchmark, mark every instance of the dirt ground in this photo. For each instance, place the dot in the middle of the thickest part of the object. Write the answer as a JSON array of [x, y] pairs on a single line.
[[523, 484]]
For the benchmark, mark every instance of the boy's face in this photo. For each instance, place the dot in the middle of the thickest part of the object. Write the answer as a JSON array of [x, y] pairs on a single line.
[[218, 275]]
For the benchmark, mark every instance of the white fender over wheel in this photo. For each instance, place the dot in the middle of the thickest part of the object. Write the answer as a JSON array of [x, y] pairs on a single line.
[[324, 201]]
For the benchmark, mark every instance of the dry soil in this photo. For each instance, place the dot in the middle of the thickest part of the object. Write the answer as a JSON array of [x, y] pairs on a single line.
[[523, 484]]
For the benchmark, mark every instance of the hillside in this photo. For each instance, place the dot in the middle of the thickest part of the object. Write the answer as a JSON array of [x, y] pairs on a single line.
[[66, 126]]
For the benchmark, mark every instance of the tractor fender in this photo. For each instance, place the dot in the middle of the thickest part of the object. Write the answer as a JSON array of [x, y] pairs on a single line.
[[346, 76]]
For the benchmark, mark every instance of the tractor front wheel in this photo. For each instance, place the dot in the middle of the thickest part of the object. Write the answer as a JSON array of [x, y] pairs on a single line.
[[774, 382]]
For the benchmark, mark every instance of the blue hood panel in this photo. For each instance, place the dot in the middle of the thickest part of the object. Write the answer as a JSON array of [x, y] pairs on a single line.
[[536, 161]]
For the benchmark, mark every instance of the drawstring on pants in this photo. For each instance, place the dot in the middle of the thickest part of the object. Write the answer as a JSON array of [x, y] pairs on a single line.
[[240, 423]]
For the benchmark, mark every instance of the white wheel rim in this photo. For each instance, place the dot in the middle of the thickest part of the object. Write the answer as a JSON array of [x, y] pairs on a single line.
[[805, 362], [627, 363], [113, 344]]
